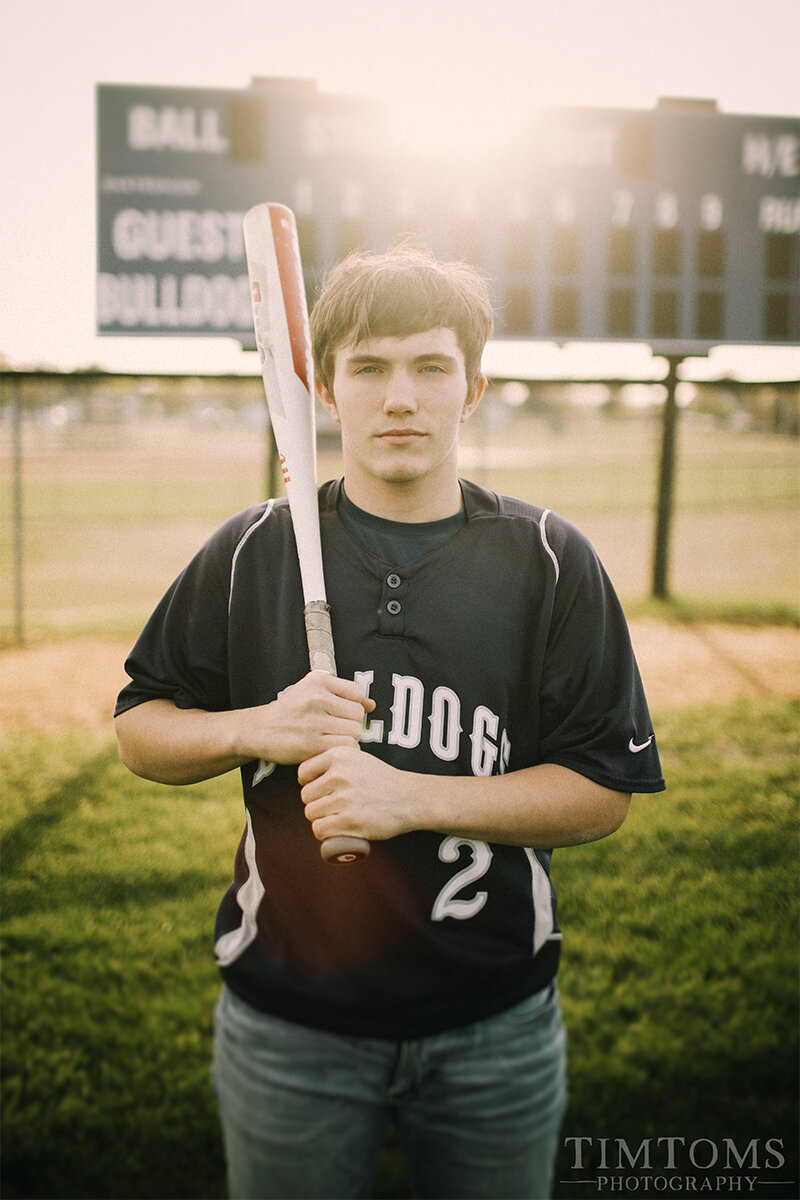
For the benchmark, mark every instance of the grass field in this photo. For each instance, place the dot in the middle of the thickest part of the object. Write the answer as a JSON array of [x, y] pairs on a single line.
[[679, 978], [680, 969], [111, 514]]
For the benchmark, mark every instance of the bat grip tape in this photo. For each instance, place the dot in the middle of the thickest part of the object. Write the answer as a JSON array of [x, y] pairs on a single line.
[[320, 639]]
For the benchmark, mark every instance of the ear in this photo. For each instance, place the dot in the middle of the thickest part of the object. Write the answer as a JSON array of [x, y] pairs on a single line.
[[326, 400], [473, 399]]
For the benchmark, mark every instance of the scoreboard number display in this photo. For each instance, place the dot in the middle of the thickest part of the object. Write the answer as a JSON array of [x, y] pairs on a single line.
[[678, 227]]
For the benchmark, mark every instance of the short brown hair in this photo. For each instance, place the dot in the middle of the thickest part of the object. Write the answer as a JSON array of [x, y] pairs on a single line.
[[403, 291]]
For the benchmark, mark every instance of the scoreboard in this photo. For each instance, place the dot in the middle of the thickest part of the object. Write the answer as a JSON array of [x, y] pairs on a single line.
[[677, 226]]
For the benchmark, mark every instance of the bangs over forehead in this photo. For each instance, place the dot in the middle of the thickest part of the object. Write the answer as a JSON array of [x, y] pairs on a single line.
[[394, 303], [396, 294]]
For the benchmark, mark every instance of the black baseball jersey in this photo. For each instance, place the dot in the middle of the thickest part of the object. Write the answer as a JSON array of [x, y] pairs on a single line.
[[503, 648]]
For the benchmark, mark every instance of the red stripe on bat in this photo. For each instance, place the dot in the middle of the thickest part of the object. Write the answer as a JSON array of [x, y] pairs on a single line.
[[290, 272]]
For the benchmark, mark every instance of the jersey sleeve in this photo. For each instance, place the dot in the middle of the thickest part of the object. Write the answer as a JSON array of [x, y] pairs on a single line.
[[594, 714], [182, 652]]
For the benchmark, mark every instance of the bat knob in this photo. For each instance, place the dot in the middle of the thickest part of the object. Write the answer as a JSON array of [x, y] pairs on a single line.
[[344, 849]]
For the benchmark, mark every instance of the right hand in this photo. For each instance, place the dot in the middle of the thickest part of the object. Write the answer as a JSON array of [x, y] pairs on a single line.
[[314, 714]]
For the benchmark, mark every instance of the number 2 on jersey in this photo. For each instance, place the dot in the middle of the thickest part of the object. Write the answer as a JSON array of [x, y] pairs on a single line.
[[446, 903]]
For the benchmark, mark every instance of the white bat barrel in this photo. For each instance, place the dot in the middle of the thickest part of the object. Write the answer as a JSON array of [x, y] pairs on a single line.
[[280, 318]]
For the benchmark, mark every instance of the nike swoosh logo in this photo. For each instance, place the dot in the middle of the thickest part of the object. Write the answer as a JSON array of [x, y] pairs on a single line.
[[634, 749]]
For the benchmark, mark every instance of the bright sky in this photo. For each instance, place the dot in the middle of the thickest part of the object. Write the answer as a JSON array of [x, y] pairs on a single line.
[[470, 68]]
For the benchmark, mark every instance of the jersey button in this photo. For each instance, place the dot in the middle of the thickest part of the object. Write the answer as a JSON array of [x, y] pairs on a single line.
[[393, 580], [394, 607]]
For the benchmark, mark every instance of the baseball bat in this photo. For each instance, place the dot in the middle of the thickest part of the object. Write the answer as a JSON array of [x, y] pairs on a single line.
[[280, 319]]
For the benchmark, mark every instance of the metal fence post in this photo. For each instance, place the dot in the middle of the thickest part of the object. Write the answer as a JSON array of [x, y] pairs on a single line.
[[666, 479]]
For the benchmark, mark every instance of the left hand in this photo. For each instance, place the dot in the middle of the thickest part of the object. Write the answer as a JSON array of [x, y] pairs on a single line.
[[348, 791]]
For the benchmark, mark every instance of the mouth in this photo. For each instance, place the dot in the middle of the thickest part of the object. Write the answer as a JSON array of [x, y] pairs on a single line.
[[400, 436]]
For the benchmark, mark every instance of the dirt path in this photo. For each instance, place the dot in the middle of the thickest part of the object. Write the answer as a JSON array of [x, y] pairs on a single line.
[[72, 684]]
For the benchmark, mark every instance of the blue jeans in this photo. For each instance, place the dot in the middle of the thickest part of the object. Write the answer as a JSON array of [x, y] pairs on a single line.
[[477, 1109]]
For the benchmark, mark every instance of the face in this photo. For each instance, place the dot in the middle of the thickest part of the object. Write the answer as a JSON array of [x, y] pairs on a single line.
[[400, 403]]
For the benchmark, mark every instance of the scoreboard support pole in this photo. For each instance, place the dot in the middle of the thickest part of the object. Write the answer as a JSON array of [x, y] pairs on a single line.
[[666, 480]]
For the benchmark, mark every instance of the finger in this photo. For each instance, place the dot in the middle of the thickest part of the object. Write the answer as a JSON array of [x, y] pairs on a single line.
[[316, 795], [326, 827], [311, 800], [348, 737], [333, 701], [336, 696], [312, 769], [349, 714], [317, 810], [326, 824], [348, 689]]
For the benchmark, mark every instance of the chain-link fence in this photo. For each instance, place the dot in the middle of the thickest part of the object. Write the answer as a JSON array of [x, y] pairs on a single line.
[[113, 481]]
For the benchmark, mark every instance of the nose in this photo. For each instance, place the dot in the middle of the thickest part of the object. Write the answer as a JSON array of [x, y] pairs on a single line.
[[400, 394]]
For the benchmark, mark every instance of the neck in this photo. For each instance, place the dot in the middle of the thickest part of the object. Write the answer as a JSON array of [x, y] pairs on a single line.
[[412, 501]]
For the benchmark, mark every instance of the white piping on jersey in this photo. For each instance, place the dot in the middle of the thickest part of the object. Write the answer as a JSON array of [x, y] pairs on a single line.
[[245, 536], [545, 543], [543, 923], [249, 896], [264, 768]]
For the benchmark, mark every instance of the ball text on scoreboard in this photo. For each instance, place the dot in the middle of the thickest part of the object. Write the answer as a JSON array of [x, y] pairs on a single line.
[[679, 224]]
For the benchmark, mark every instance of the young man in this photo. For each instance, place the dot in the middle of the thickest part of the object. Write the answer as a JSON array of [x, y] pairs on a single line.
[[488, 708]]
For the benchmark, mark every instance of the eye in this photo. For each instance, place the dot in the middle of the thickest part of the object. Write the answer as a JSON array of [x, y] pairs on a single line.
[[433, 368]]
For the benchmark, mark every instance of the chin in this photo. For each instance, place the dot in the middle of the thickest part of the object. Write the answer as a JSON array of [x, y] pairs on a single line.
[[401, 472], [401, 476]]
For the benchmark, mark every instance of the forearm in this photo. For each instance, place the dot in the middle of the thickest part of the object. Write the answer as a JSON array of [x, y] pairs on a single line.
[[350, 792], [159, 741], [546, 805], [167, 744]]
